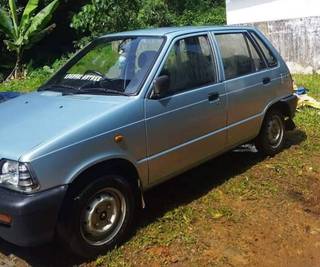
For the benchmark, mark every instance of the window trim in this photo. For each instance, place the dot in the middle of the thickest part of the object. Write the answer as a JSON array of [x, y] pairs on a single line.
[[164, 59], [244, 33], [254, 35], [250, 39]]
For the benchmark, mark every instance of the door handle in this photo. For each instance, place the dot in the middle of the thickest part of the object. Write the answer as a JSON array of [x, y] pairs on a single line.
[[266, 80], [213, 97]]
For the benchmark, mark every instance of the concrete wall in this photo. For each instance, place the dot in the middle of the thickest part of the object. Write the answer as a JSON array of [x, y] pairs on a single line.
[[297, 40], [248, 11], [293, 26]]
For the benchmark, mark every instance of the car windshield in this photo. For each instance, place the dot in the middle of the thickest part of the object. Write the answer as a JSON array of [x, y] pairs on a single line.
[[112, 66]]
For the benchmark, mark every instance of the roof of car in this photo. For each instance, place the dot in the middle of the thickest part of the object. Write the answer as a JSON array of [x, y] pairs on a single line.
[[175, 30]]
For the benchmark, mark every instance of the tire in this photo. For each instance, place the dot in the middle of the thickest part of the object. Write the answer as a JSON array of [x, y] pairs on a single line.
[[97, 217], [271, 138]]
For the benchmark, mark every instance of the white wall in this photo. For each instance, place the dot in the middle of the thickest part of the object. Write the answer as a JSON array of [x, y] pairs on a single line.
[[248, 11]]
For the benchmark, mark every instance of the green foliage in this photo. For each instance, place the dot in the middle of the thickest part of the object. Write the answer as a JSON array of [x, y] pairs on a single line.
[[202, 17], [22, 28], [104, 16], [31, 28], [154, 13], [34, 79], [198, 12]]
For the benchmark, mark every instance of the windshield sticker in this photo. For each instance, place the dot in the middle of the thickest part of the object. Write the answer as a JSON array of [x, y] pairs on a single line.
[[87, 77]]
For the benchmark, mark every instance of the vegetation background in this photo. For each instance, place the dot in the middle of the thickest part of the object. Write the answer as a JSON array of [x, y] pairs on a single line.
[[79, 21]]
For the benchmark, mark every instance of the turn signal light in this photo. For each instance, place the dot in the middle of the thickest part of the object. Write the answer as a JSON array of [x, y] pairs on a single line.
[[5, 219]]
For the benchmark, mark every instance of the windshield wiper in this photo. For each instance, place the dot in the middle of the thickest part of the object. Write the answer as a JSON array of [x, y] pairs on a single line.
[[100, 90], [56, 87], [76, 90]]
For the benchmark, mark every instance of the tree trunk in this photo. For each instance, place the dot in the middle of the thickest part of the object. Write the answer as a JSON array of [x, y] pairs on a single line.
[[17, 71]]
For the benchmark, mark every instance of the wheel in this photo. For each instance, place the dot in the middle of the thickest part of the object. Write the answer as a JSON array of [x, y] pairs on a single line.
[[270, 140], [98, 217]]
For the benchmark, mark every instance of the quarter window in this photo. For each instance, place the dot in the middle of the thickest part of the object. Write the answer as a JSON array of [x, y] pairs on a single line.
[[190, 64], [238, 54], [257, 59], [271, 59]]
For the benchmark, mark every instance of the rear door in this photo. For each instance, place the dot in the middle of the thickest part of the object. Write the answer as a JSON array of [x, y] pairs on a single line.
[[187, 125], [249, 84]]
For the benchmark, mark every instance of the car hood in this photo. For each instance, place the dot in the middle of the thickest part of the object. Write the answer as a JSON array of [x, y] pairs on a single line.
[[32, 119]]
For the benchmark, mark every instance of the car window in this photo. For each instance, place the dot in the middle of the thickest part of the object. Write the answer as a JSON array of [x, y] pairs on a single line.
[[238, 54], [258, 61], [271, 59], [119, 64], [190, 64], [146, 48]]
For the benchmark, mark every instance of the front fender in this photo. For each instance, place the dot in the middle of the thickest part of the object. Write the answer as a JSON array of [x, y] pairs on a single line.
[[64, 165]]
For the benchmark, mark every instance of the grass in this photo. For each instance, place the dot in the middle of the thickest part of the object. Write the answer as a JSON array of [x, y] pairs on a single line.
[[311, 82], [186, 216], [34, 79]]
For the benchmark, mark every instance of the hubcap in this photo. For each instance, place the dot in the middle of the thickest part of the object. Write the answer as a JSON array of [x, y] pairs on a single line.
[[275, 131], [103, 216]]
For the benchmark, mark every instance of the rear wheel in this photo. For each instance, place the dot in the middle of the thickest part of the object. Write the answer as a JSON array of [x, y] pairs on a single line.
[[98, 216], [271, 139]]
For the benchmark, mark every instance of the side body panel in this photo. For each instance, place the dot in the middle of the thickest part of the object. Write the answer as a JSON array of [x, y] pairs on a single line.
[[184, 129], [249, 98]]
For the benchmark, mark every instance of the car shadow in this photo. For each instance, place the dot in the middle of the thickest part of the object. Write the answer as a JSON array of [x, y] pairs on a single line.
[[181, 190]]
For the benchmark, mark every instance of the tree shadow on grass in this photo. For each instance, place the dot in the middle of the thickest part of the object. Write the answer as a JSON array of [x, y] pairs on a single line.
[[178, 191]]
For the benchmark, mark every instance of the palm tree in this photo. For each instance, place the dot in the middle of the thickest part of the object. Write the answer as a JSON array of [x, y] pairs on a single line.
[[23, 34]]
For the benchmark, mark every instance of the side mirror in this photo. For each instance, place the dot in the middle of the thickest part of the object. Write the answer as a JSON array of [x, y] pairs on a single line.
[[161, 86]]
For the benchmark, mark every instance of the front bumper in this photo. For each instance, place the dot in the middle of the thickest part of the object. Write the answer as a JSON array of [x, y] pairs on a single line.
[[34, 217]]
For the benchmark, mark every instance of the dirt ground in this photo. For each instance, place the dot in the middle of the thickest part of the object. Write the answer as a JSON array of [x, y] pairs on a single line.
[[239, 209]]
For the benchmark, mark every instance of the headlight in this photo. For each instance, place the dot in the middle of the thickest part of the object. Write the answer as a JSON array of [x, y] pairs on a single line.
[[17, 176]]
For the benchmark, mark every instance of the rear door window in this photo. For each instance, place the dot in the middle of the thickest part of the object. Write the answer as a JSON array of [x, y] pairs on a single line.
[[257, 58], [239, 55]]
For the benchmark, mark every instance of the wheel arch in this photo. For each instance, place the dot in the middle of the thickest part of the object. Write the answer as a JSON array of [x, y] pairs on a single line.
[[281, 106], [119, 166]]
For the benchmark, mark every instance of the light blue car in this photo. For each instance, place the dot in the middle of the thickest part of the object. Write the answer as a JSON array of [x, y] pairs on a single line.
[[128, 112]]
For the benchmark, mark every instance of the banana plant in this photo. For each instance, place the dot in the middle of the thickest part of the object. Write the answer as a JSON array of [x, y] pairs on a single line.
[[23, 33]]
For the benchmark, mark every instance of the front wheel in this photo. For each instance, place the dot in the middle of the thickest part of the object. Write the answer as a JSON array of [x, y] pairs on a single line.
[[98, 217], [270, 140]]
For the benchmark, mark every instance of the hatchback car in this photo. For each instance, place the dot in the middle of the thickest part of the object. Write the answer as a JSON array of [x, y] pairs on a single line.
[[126, 113]]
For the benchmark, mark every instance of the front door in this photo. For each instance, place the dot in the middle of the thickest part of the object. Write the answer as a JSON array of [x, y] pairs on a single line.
[[187, 125]]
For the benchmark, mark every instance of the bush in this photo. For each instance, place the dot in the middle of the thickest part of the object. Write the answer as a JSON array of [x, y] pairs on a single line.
[[105, 16], [35, 78]]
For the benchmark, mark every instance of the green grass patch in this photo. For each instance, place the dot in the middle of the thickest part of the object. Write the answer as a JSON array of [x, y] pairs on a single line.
[[311, 82]]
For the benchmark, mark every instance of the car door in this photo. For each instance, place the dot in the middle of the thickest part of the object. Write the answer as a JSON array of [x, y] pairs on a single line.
[[186, 126], [249, 85]]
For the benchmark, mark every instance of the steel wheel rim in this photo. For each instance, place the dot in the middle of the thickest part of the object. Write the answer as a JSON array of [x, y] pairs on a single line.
[[275, 131], [103, 216]]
